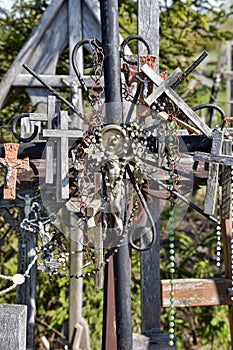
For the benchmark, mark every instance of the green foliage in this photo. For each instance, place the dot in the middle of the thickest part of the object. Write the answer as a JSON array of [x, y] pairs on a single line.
[[195, 258]]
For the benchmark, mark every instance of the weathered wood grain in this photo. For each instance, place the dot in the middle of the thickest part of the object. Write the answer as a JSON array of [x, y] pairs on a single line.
[[208, 157], [226, 184], [192, 116], [197, 292], [13, 319], [213, 174], [163, 86], [226, 223], [149, 28], [155, 341]]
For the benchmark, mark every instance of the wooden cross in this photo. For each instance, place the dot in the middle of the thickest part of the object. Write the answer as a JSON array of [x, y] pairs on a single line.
[[12, 164], [62, 137], [214, 159], [164, 86]]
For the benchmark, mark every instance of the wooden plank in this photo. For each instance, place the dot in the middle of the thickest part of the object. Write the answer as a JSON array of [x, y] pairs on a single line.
[[49, 151], [28, 48], [76, 319], [163, 86], [150, 259], [156, 341], [62, 158], [25, 80], [13, 319], [207, 157], [213, 175], [56, 133], [226, 184], [76, 35], [193, 117], [227, 234], [197, 292], [149, 28]]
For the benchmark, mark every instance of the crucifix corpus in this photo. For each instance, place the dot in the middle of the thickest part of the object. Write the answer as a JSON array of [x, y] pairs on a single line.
[[11, 164]]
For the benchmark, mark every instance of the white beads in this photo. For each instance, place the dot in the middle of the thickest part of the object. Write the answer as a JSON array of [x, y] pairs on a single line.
[[18, 279]]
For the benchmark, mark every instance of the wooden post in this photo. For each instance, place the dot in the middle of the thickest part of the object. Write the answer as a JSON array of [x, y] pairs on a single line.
[[13, 320], [75, 35], [26, 293], [78, 328], [227, 226], [148, 27]]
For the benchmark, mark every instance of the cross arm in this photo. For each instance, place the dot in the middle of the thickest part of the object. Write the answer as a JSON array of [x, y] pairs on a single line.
[[213, 158], [192, 116]]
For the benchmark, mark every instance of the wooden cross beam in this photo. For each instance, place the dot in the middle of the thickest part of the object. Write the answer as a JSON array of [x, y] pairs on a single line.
[[11, 164], [164, 86], [197, 292], [213, 158], [62, 136]]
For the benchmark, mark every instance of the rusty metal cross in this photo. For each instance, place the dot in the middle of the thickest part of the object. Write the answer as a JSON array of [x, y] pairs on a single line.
[[11, 164]]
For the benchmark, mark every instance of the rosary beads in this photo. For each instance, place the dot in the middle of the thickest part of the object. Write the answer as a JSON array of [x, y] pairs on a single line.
[[171, 229], [218, 232], [18, 278]]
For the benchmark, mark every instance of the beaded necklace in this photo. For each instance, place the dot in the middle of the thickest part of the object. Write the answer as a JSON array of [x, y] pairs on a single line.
[[171, 226], [18, 278]]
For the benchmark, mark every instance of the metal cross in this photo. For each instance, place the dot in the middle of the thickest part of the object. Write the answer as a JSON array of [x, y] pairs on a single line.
[[11, 165]]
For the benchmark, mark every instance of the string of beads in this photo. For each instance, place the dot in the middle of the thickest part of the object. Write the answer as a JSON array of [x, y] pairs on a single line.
[[18, 278], [218, 232], [171, 228]]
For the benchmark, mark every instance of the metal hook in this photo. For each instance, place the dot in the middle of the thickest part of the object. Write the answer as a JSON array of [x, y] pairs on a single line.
[[126, 41], [93, 42], [16, 135], [142, 199]]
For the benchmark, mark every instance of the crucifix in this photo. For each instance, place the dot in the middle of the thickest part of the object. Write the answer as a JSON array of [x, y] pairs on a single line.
[[12, 164]]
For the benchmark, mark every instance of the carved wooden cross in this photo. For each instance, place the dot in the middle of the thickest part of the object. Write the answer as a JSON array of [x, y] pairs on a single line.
[[12, 164], [164, 86]]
